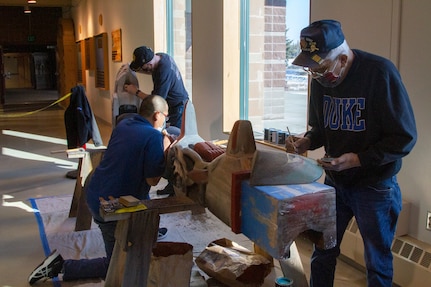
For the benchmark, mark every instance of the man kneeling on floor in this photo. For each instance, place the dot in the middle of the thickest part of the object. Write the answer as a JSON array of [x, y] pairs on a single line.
[[133, 162]]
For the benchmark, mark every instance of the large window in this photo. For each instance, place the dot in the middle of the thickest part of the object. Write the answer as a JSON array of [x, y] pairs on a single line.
[[179, 31], [274, 93]]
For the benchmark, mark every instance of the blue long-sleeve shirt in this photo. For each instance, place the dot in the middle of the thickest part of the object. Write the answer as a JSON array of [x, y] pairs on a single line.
[[134, 153], [369, 114]]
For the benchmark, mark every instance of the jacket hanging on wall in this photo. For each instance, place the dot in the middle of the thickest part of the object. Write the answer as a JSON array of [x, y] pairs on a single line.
[[81, 126]]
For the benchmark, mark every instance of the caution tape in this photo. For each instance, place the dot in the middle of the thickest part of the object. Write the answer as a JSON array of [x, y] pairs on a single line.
[[16, 115]]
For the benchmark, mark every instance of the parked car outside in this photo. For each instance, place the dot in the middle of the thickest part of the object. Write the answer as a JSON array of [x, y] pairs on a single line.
[[296, 79]]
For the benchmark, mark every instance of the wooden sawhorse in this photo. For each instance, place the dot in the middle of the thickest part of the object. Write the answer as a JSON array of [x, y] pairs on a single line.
[[136, 235], [78, 207]]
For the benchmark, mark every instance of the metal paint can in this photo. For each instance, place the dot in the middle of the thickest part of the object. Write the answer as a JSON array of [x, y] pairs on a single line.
[[283, 282], [274, 136], [270, 131], [266, 134], [282, 135]]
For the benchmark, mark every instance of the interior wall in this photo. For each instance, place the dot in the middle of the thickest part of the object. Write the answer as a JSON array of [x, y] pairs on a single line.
[[395, 29], [207, 63], [136, 23], [414, 68], [366, 28]]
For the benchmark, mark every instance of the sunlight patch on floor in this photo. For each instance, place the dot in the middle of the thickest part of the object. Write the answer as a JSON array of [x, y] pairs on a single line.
[[34, 137], [33, 156]]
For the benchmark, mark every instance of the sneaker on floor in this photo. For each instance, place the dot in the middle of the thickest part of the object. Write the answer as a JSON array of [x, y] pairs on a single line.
[[162, 233], [49, 268], [168, 190]]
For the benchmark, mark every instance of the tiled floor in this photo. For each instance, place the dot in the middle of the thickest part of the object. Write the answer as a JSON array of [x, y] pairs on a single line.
[[29, 169]]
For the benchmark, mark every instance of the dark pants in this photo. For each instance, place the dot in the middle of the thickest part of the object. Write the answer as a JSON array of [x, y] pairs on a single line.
[[376, 208], [96, 267], [176, 115]]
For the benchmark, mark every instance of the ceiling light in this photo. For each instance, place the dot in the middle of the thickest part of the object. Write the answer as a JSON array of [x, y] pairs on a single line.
[[31, 1], [27, 10]]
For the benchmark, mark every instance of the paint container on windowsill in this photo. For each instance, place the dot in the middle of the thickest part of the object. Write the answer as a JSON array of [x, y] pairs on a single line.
[[283, 282]]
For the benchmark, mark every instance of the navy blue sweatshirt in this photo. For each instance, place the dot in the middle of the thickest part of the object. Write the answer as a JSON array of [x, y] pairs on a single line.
[[168, 82], [369, 114]]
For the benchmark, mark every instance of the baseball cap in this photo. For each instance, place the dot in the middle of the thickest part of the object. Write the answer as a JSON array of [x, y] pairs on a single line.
[[317, 40], [141, 56]]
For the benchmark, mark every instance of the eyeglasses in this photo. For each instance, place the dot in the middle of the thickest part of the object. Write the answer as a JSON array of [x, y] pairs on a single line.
[[321, 71], [166, 116]]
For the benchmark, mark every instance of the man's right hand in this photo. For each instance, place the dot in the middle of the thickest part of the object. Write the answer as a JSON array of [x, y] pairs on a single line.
[[130, 88], [300, 145]]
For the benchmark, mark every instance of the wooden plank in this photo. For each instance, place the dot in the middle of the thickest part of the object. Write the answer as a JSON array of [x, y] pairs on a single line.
[[131, 258], [79, 207], [83, 215], [235, 209], [140, 246], [77, 192], [135, 237], [171, 204], [161, 205]]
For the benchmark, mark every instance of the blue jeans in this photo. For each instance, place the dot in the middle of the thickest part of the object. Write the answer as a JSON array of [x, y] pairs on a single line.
[[176, 115], [97, 267], [376, 208]]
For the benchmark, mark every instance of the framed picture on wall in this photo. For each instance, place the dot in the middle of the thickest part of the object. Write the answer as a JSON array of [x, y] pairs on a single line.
[[90, 54], [102, 61], [80, 47], [116, 46]]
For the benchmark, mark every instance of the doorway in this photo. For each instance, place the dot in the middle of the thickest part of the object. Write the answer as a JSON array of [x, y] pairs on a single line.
[[29, 78]]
